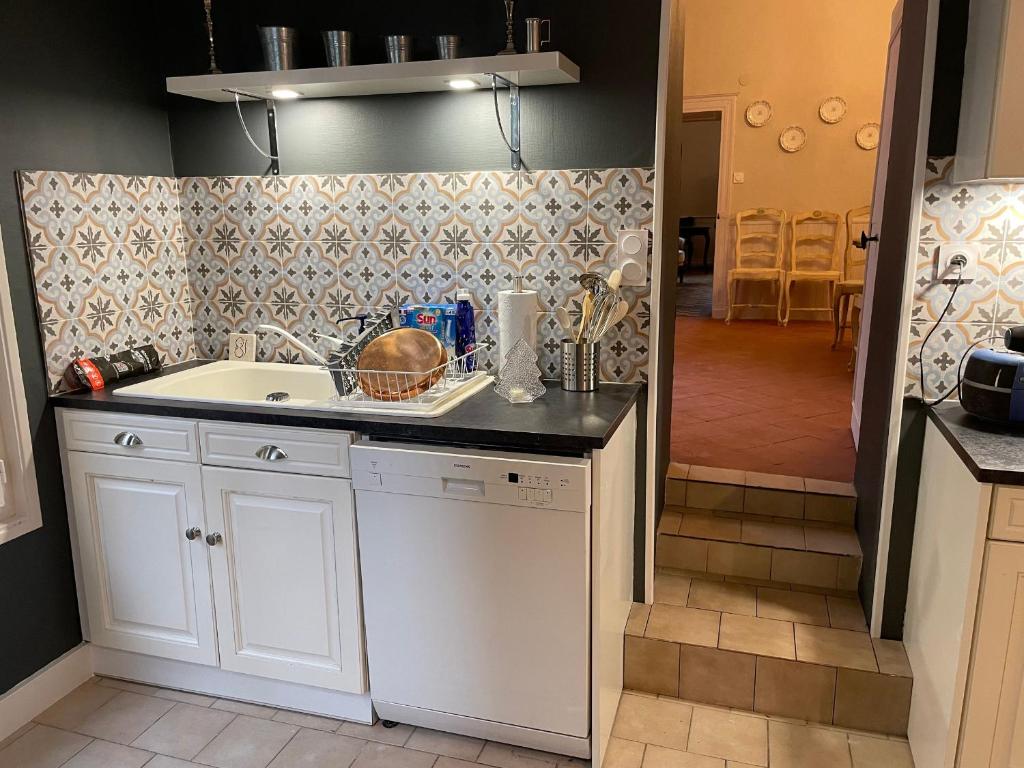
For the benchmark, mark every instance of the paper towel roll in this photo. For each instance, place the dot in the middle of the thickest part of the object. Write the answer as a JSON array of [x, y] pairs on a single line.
[[517, 319]]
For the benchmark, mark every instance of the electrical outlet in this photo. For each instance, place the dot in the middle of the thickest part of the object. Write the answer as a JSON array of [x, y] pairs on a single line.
[[945, 268], [739, 177], [242, 347]]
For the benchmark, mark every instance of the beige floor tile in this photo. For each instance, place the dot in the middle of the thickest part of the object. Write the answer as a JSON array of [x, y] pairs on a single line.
[[675, 492], [244, 708], [739, 560], [663, 722], [678, 552], [707, 526], [763, 637], [830, 509], [315, 749], [636, 624], [830, 487], [678, 471], [511, 756], [162, 761], [396, 736], [809, 568], [775, 482], [185, 697], [722, 596], [69, 712], [452, 762], [660, 757], [304, 720], [701, 495], [621, 753], [879, 753], [867, 701], [769, 534], [848, 573], [247, 742], [42, 747], [448, 744], [651, 666], [669, 522], [787, 605], [835, 647], [762, 501], [124, 717], [846, 613], [799, 746], [795, 689], [127, 685], [16, 734], [892, 658], [836, 541], [713, 676], [103, 754], [671, 589], [375, 755], [183, 731], [729, 735], [683, 625], [717, 475]]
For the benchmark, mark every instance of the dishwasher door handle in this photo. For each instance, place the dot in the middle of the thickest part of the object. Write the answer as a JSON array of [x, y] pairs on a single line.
[[459, 487]]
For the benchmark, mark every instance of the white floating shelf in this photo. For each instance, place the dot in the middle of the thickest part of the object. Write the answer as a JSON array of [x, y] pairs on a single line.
[[523, 69]]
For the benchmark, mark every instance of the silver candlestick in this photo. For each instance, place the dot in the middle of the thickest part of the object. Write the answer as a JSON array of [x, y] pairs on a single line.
[[207, 6], [510, 43]]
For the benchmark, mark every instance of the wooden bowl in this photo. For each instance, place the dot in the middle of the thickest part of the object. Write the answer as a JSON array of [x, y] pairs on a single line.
[[416, 356]]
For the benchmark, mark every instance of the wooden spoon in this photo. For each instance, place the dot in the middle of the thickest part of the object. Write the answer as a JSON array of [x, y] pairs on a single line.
[[588, 309]]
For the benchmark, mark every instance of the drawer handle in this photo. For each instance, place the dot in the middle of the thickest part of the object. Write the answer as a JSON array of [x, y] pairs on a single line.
[[127, 440], [271, 453], [213, 539], [193, 533]]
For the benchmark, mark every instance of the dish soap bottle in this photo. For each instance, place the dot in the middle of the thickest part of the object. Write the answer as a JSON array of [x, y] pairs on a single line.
[[465, 329]]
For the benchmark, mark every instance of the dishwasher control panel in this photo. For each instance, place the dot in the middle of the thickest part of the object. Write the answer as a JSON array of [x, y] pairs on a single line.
[[498, 478]]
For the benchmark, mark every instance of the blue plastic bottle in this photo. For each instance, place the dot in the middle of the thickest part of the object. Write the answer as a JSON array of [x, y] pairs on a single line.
[[465, 329]]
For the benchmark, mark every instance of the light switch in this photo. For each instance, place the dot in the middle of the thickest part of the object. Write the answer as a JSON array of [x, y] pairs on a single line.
[[739, 177], [631, 255]]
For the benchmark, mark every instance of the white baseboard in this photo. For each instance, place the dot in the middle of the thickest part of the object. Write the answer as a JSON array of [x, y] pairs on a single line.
[[44, 689]]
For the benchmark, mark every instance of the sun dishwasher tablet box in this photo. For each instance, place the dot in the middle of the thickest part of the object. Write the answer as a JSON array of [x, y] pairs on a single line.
[[439, 319]]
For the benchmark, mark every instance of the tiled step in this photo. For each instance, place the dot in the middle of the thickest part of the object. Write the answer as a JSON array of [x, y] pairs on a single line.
[[755, 493], [768, 651], [756, 547]]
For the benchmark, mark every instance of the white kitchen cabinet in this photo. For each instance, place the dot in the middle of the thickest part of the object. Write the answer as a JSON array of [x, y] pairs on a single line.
[[146, 585], [989, 144], [285, 577]]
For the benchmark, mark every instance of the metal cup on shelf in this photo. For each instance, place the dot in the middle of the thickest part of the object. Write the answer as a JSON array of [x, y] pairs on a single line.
[[338, 47], [581, 365], [447, 46], [399, 48], [535, 40], [279, 44]]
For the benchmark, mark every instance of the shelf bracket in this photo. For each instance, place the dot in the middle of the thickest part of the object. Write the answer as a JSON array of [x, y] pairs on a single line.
[[275, 161], [513, 140]]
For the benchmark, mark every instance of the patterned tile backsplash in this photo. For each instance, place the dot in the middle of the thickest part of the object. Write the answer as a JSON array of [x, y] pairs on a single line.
[[991, 215], [183, 262]]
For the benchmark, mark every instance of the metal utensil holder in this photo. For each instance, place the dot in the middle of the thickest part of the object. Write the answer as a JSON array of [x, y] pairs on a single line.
[[581, 365]]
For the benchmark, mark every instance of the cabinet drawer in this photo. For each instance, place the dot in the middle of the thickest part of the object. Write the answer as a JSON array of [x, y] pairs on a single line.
[[130, 435], [1007, 521], [276, 449]]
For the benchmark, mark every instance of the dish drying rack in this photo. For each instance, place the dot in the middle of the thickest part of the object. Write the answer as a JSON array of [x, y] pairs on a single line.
[[455, 380]]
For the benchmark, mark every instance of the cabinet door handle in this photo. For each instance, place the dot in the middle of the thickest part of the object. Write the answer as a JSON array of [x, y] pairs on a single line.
[[193, 533], [271, 453], [127, 440], [213, 539]]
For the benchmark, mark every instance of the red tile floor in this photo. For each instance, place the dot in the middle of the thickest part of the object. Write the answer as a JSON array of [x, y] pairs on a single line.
[[755, 396]]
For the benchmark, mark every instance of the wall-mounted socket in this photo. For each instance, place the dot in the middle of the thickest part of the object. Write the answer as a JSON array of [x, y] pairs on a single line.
[[949, 254], [631, 256], [242, 347], [739, 177]]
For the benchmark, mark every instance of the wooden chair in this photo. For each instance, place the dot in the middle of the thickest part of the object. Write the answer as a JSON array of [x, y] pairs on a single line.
[[854, 265], [814, 239], [760, 236]]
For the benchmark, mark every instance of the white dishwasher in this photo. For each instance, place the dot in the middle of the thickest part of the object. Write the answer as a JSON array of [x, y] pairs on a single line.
[[476, 591]]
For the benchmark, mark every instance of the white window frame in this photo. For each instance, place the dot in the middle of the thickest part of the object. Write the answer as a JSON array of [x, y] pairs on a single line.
[[20, 489]]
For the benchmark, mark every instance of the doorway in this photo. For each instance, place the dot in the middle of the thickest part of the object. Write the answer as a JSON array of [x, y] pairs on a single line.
[[698, 221]]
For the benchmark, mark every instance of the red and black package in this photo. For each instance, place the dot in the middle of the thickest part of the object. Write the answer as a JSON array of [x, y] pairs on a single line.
[[97, 372]]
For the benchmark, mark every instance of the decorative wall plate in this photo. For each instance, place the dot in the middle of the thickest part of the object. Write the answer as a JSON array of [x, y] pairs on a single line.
[[832, 109], [867, 135], [758, 114], [793, 138]]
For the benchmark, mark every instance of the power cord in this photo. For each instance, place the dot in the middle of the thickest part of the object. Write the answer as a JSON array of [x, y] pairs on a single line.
[[959, 262], [238, 108]]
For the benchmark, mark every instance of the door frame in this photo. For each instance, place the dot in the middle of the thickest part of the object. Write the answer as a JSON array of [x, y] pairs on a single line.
[[725, 105]]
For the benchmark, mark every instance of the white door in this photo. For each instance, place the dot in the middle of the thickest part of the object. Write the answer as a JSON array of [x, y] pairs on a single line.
[[147, 585], [286, 577]]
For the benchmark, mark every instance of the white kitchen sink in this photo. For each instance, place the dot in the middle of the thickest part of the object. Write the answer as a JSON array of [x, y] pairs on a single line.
[[292, 386]]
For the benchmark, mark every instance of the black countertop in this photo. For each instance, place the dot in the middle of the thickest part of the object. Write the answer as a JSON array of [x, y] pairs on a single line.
[[558, 422], [993, 453]]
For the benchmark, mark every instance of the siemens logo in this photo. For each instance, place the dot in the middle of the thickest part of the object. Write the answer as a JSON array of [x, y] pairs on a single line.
[[462, 466]]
